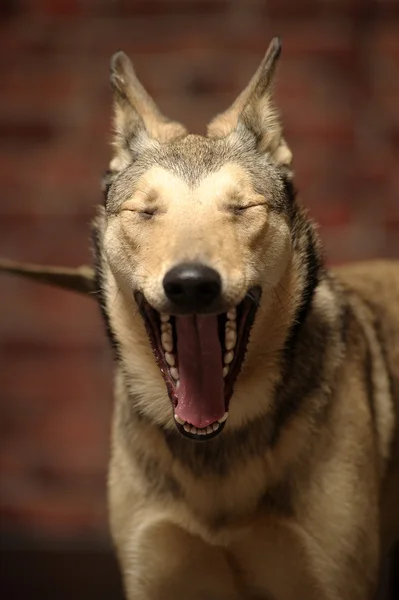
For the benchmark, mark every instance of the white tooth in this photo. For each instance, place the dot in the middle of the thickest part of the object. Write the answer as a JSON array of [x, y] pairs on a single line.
[[193, 429], [166, 328], [231, 339], [167, 342], [215, 426], [164, 318], [177, 384], [209, 429], [202, 432], [225, 371], [170, 359], [179, 420], [187, 427], [175, 373], [230, 326], [222, 420], [232, 314], [228, 357]]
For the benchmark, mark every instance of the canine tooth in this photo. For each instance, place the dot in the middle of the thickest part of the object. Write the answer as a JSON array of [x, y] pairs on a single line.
[[166, 328], [209, 429], [179, 420], [175, 373], [193, 429], [187, 427], [164, 318], [228, 357], [222, 420], [225, 371], [231, 339], [215, 426], [170, 359], [232, 314]]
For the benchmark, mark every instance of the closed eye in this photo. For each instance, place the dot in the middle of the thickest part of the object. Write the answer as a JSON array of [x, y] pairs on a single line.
[[148, 213], [239, 208], [145, 213]]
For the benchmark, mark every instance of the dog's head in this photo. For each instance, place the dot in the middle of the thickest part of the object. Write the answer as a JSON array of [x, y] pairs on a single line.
[[195, 230]]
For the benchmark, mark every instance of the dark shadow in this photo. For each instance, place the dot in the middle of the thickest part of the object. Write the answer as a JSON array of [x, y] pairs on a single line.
[[59, 575]]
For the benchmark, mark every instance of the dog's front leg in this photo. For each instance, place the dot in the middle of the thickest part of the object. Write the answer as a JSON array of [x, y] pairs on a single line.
[[163, 562]]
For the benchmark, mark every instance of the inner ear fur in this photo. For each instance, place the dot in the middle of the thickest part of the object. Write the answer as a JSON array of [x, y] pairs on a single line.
[[255, 108], [137, 119]]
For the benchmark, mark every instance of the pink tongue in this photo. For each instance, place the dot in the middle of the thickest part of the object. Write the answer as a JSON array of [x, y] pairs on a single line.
[[200, 397]]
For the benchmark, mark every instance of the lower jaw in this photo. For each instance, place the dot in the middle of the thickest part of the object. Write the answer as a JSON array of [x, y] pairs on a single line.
[[201, 434]]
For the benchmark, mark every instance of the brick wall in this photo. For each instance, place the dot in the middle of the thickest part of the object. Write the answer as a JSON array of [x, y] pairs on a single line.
[[339, 94]]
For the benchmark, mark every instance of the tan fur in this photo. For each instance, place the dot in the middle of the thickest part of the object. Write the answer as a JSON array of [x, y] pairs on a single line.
[[377, 283], [298, 496]]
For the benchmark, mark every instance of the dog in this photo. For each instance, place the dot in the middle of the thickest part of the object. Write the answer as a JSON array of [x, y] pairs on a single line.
[[255, 444]]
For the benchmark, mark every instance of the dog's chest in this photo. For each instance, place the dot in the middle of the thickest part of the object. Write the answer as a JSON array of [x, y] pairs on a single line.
[[260, 548], [218, 499]]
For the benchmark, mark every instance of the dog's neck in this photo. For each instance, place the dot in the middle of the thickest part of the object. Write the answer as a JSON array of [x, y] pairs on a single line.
[[274, 441]]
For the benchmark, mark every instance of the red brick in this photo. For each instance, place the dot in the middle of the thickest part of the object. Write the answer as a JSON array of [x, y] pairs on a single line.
[[53, 7], [53, 514], [172, 7]]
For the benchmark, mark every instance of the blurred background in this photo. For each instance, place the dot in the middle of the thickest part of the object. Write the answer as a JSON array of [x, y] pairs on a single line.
[[338, 92]]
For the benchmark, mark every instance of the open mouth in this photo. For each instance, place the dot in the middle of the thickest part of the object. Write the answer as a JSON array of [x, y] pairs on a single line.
[[200, 357]]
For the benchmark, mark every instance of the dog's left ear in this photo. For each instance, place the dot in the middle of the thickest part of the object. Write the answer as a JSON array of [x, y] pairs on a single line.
[[137, 119], [254, 109]]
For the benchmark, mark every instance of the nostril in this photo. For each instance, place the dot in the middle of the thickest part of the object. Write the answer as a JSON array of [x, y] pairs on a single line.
[[207, 289], [173, 289]]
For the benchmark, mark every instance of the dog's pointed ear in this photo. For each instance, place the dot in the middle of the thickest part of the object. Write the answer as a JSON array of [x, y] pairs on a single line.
[[254, 109], [79, 279], [137, 119]]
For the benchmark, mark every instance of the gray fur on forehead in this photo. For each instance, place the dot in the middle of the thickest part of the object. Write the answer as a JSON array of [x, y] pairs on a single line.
[[194, 157]]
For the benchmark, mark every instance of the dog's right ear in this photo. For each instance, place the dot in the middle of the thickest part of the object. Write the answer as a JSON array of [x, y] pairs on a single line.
[[138, 122]]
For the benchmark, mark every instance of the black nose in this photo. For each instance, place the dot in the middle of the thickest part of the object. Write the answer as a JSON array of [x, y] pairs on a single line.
[[192, 287]]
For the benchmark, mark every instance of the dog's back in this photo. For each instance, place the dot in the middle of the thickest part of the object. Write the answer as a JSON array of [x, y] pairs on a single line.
[[376, 285]]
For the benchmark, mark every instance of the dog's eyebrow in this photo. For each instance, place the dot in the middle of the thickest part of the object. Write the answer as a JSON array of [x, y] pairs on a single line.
[[235, 195], [151, 195]]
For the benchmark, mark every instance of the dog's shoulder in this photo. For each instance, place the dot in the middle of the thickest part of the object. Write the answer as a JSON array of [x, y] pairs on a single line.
[[373, 291], [375, 285], [375, 280]]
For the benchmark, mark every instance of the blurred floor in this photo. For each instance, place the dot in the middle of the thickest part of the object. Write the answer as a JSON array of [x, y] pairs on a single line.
[[60, 575], [86, 575]]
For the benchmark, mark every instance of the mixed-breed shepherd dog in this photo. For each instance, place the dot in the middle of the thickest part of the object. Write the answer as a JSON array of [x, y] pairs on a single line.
[[255, 445]]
